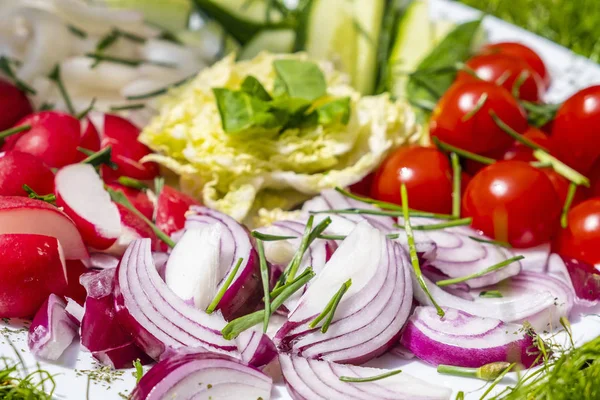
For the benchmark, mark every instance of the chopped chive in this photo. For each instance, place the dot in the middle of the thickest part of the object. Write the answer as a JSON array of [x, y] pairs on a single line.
[[89, 108], [412, 250], [487, 372], [132, 36], [307, 239], [127, 61], [381, 204], [371, 378], [160, 91], [48, 198], [136, 106], [332, 237], [159, 184], [265, 237], [516, 88], [566, 324], [463, 153], [480, 102], [139, 370], [443, 225], [539, 164], [132, 183], [387, 213], [77, 32], [8, 132], [567, 206], [495, 267], [456, 177], [264, 274], [561, 168], [491, 241], [239, 325], [276, 292], [330, 308], [497, 380], [55, 77], [107, 40], [85, 151], [514, 134], [492, 294], [100, 157], [213, 305], [46, 107], [502, 78], [120, 198], [6, 68]]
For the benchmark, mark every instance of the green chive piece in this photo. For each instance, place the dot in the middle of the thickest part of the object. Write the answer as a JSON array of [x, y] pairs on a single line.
[[55, 77], [160, 91], [108, 40], [48, 198], [265, 237], [491, 241], [491, 294], [16, 129], [480, 102], [276, 292], [486, 271], [516, 88], [131, 36], [139, 370], [120, 198], [6, 68], [132, 183], [159, 183], [264, 274], [487, 372], [463, 153], [371, 378], [213, 305], [456, 190], [443, 225], [412, 249], [307, 239], [332, 237], [77, 32], [136, 106], [564, 222], [239, 325], [101, 157], [126, 61], [561, 168], [497, 380], [85, 112], [386, 213], [514, 134], [330, 308]]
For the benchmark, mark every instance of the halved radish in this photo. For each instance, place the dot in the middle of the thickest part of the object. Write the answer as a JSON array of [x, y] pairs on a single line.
[[25, 215], [132, 228], [32, 267], [80, 191], [171, 207], [18, 169], [138, 198], [13, 103], [90, 138], [75, 291]]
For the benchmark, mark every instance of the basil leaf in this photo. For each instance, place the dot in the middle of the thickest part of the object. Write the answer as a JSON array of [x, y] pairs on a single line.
[[335, 111], [240, 112], [254, 88], [302, 79]]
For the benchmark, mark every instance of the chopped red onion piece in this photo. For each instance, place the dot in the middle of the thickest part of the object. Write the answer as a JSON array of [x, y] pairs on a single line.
[[400, 351], [256, 348], [102, 261], [52, 330], [536, 258], [74, 311], [581, 277]]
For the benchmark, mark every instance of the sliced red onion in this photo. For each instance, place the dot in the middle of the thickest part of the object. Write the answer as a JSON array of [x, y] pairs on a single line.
[[160, 260], [536, 258], [158, 320], [582, 278], [464, 340], [202, 375], [308, 379], [245, 292], [400, 351], [456, 254], [74, 311], [368, 319], [343, 224], [101, 332], [102, 261], [256, 348], [52, 330]]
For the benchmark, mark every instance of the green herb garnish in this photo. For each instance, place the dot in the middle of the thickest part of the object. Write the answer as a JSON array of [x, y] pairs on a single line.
[[301, 79], [213, 305], [136, 106], [265, 237], [127, 61], [85, 112], [160, 91], [56, 78], [480, 102], [7, 69], [48, 198], [564, 222], [495, 267], [456, 190], [264, 274], [132, 183], [491, 241], [463, 153], [14, 130], [442, 225], [101, 157], [561, 168], [514, 134], [491, 294], [139, 370], [371, 378], [330, 308], [487, 372]]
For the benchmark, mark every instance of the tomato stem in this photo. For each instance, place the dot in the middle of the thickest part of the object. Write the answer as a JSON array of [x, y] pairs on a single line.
[[456, 178], [463, 153], [568, 201]]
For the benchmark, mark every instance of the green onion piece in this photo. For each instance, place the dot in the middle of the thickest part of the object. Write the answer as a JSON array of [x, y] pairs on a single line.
[[107, 40], [132, 183], [276, 292], [567, 206], [561, 168], [48, 198], [85, 112], [307, 239], [77, 32], [491, 241], [136, 106], [514, 134], [412, 249], [101, 157], [491, 294], [127, 61], [443, 225], [371, 378], [213, 305], [55, 77], [264, 274], [486, 271], [161, 91], [456, 194], [139, 370], [487, 372], [265, 237], [497, 380], [330, 308], [16, 129], [120, 198], [239, 325], [463, 153], [6, 68], [480, 102]]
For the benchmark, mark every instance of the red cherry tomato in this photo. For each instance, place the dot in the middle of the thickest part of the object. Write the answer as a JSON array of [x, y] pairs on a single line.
[[363, 187], [427, 174], [457, 119], [594, 175], [581, 238], [561, 185], [508, 72], [575, 134], [513, 202], [521, 152], [524, 53], [14, 105]]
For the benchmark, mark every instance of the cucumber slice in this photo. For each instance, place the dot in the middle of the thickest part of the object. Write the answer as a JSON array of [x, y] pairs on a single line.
[[275, 41], [172, 15], [346, 33]]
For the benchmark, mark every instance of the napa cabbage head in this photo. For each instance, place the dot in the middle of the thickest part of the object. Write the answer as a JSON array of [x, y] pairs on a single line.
[[242, 174]]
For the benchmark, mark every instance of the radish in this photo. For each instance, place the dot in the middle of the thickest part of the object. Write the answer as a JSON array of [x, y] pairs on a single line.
[[33, 267], [13, 103], [171, 207], [138, 198], [53, 137], [75, 291], [25, 215], [132, 228], [90, 139], [18, 169], [80, 191]]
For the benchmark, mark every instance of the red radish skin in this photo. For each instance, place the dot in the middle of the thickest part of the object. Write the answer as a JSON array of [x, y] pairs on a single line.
[[90, 139], [75, 268], [80, 192], [18, 169], [132, 228], [138, 198], [53, 137], [170, 210], [25, 215], [13, 103], [33, 267]]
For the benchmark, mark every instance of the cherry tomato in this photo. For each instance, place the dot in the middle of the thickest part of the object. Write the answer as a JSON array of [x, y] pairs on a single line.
[[507, 71], [561, 185], [513, 202], [363, 187], [427, 174], [524, 53], [14, 105], [581, 238], [594, 175], [575, 133], [521, 152], [462, 119]]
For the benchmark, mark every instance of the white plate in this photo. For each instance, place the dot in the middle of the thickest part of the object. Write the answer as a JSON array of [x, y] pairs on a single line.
[[569, 73]]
